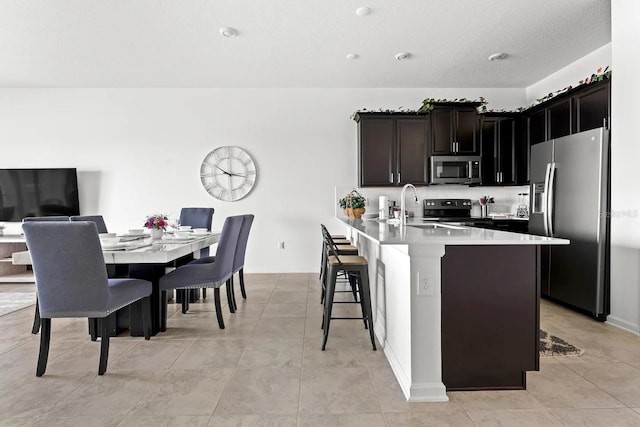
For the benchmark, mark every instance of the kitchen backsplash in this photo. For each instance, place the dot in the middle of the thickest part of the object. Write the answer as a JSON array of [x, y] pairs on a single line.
[[506, 199]]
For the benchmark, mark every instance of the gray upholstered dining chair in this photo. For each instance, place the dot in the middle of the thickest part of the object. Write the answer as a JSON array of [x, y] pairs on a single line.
[[71, 280], [198, 218], [35, 328], [57, 218], [210, 275], [97, 219], [238, 259]]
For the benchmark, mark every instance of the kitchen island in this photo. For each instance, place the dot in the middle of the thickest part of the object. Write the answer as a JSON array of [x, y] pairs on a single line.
[[455, 307]]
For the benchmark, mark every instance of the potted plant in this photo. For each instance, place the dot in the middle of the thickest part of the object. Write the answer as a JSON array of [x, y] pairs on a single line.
[[353, 204], [156, 224]]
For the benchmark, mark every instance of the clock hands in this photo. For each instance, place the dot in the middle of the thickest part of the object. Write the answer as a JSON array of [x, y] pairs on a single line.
[[229, 173], [224, 171]]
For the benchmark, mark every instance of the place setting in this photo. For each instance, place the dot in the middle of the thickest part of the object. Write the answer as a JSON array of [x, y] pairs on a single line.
[[114, 242]]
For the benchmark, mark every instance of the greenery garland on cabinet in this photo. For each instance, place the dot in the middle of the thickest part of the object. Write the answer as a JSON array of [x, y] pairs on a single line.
[[429, 103]]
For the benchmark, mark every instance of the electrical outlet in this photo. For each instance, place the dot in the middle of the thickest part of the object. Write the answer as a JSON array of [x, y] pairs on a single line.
[[425, 284], [281, 245]]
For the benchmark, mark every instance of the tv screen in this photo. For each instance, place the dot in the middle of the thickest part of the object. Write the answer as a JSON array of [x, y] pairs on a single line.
[[38, 192]]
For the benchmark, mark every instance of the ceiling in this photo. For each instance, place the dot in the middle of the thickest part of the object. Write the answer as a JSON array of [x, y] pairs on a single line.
[[294, 43]]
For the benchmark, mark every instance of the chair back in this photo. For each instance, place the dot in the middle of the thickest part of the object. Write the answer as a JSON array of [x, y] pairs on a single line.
[[227, 243], [241, 248], [45, 218], [98, 219], [197, 217], [212, 274], [329, 243], [69, 268]]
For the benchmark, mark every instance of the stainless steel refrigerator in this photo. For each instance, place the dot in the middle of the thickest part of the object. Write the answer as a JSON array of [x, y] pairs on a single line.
[[570, 199]]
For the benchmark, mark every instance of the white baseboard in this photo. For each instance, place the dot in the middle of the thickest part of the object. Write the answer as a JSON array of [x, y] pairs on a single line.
[[623, 324]]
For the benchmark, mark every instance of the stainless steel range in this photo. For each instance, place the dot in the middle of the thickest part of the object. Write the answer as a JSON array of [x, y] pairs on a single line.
[[447, 209]]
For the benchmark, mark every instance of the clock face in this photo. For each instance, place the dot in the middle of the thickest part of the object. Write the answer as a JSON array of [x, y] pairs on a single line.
[[228, 173]]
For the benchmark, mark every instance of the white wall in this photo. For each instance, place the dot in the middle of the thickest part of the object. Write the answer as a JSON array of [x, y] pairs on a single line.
[[571, 74], [138, 151], [625, 152]]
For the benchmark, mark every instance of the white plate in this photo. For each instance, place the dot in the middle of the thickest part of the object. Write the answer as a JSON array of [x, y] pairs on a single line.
[[132, 235]]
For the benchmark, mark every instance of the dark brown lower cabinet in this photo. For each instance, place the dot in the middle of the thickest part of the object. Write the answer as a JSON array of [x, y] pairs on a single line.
[[490, 316]]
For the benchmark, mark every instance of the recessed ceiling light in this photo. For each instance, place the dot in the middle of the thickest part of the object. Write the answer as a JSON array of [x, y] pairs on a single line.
[[228, 31], [497, 56], [402, 56], [363, 11], [353, 56]]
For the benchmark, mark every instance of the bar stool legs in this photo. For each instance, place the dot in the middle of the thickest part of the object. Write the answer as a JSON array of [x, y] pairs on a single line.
[[361, 276]]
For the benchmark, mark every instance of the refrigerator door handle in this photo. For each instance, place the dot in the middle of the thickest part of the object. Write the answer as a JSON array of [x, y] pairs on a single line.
[[550, 198], [545, 201]]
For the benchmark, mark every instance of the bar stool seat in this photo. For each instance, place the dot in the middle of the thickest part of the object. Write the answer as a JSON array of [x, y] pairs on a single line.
[[342, 250], [342, 242]]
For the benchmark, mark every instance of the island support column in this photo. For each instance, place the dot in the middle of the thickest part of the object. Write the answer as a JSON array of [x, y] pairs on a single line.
[[413, 319]]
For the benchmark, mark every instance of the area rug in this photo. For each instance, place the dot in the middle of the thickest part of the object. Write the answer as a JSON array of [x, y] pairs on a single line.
[[552, 346], [14, 301]]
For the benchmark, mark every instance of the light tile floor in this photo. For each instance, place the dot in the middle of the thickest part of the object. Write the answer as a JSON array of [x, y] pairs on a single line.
[[266, 369]]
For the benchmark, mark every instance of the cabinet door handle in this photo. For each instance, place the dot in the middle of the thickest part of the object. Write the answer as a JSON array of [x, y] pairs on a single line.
[[399, 178], [391, 178]]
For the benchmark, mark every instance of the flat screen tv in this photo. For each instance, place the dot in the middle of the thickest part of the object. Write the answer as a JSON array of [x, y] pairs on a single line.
[[38, 192]]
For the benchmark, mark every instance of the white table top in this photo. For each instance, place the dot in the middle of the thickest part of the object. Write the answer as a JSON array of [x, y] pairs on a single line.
[[418, 232], [145, 251]]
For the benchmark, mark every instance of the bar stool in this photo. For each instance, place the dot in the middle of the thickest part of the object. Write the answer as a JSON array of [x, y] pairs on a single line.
[[357, 269], [344, 247], [323, 256]]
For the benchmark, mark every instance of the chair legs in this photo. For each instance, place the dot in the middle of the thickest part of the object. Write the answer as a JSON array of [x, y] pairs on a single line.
[[360, 277], [103, 325], [36, 319], [216, 299], [104, 345], [232, 306], [146, 317], [241, 277], [204, 294], [185, 300], [45, 338], [93, 328]]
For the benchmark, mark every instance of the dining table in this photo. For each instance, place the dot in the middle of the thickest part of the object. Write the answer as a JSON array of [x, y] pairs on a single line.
[[148, 259]]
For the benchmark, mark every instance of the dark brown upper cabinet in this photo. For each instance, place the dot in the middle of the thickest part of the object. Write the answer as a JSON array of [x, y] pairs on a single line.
[[392, 149], [592, 107], [579, 109], [503, 150], [455, 130]]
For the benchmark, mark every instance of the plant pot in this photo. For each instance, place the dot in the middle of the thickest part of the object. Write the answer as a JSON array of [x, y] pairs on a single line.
[[354, 212], [156, 233]]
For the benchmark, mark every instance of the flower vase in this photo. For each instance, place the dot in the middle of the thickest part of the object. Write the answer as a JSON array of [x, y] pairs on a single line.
[[156, 233]]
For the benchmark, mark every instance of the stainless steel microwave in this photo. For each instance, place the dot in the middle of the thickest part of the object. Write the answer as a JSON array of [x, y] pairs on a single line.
[[455, 170]]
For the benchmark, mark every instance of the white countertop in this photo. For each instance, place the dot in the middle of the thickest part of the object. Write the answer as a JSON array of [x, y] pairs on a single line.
[[146, 251], [430, 233]]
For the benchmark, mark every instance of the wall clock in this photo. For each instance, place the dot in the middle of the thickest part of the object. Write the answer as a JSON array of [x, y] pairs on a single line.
[[228, 173]]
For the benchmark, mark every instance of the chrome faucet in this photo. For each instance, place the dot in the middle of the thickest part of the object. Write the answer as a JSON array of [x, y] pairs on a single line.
[[403, 218]]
